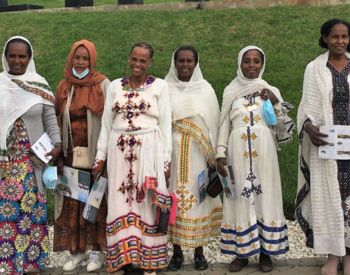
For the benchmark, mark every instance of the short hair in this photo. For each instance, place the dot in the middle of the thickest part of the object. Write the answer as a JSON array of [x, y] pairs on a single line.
[[18, 40], [144, 45], [186, 48], [327, 27]]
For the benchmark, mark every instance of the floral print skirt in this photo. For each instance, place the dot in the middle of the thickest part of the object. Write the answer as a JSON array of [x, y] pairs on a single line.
[[24, 242]]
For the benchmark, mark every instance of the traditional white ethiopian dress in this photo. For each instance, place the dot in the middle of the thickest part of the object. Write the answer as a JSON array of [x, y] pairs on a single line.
[[136, 137], [195, 114], [253, 220]]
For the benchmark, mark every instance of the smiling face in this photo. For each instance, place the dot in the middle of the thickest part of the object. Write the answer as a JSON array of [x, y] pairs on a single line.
[[17, 57], [337, 40], [81, 59], [139, 62], [251, 64], [185, 64]]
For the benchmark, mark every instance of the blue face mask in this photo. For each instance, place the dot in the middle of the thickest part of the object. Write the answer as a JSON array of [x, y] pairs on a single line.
[[82, 74]]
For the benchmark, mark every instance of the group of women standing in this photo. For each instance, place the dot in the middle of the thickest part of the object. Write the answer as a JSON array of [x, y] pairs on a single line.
[[154, 137]]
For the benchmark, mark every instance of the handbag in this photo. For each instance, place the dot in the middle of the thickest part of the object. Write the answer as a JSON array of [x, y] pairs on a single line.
[[214, 187], [81, 155], [268, 113], [162, 220]]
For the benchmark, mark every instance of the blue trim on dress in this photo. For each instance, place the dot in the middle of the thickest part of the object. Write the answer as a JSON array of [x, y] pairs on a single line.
[[245, 232], [272, 229], [240, 244], [285, 238]]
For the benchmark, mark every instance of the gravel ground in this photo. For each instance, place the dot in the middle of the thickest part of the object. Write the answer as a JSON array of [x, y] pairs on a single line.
[[297, 249]]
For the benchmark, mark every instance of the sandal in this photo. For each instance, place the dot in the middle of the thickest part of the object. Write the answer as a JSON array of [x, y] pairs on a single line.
[[265, 263], [200, 263], [176, 262], [237, 264]]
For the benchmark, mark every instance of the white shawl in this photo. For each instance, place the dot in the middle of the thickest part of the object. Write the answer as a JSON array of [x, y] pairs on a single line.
[[242, 86], [196, 97], [14, 100], [321, 207]]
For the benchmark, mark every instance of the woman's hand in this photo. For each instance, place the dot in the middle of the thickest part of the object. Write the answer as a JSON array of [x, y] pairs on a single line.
[[167, 172], [266, 94], [97, 168], [220, 166], [315, 134], [55, 153], [60, 166]]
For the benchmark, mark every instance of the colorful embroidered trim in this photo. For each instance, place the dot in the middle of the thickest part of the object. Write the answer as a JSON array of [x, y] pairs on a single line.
[[131, 250], [192, 233], [186, 126], [130, 220], [34, 90], [42, 85], [161, 200]]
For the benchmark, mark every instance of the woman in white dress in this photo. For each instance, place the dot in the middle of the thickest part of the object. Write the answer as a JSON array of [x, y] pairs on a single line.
[[195, 114], [253, 219], [323, 197], [136, 139]]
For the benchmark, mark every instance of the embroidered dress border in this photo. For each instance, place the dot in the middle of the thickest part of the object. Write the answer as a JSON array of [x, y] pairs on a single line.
[[34, 90], [161, 200], [192, 233], [131, 219], [131, 250], [272, 240]]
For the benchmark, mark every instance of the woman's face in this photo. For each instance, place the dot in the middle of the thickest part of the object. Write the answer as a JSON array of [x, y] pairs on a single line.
[[338, 39], [17, 57], [185, 64], [139, 62], [81, 59], [251, 64]]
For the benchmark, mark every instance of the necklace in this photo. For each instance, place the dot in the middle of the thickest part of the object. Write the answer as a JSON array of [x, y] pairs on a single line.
[[138, 85]]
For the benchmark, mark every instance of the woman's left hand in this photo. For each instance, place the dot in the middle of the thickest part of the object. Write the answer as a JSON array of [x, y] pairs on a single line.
[[55, 153], [167, 172], [266, 94]]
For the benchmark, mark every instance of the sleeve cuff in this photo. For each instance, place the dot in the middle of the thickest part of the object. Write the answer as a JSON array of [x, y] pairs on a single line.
[[100, 156], [221, 152]]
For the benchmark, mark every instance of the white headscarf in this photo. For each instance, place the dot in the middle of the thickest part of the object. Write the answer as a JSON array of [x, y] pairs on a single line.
[[195, 97], [242, 86], [16, 101]]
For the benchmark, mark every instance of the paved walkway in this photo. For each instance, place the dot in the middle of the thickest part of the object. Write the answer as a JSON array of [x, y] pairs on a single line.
[[309, 266]]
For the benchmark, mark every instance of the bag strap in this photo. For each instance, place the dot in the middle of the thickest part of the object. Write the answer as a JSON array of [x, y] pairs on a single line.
[[69, 101]]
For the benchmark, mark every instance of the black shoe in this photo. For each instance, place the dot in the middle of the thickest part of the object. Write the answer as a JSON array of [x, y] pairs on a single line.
[[237, 264], [200, 263], [176, 262], [265, 263]]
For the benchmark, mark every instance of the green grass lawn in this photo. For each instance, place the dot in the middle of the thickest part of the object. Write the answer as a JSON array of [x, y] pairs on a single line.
[[289, 36], [60, 3]]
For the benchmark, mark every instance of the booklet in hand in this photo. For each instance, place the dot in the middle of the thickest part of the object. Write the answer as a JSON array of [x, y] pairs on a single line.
[[43, 146], [201, 184], [228, 183]]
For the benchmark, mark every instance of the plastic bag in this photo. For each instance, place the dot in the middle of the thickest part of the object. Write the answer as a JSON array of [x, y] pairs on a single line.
[[269, 113]]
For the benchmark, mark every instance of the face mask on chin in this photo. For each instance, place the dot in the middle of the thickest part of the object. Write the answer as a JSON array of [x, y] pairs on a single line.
[[82, 74]]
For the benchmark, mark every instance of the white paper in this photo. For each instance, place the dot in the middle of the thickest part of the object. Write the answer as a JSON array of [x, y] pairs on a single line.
[[43, 146], [74, 184], [228, 183], [338, 139]]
